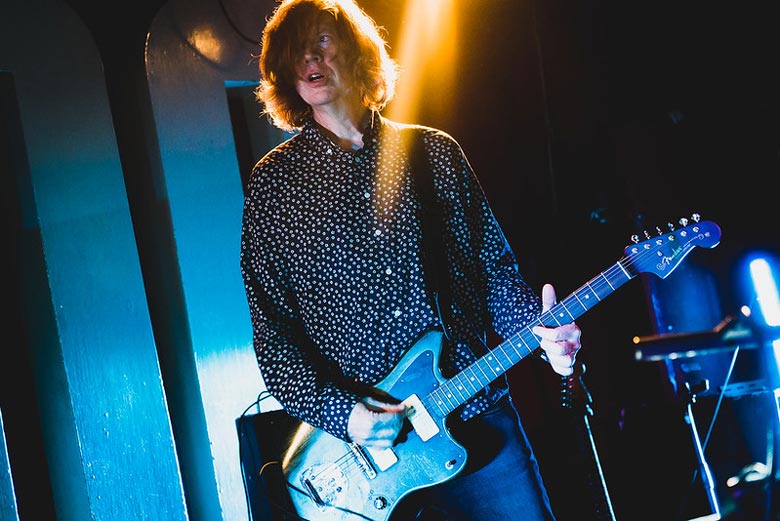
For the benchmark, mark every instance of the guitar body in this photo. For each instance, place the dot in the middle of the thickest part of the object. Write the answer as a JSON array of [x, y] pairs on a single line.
[[337, 481]]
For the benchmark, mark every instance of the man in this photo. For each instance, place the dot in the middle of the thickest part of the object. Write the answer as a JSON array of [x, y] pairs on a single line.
[[333, 257]]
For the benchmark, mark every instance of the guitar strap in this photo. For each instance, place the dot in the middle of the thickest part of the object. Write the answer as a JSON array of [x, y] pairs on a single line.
[[434, 254]]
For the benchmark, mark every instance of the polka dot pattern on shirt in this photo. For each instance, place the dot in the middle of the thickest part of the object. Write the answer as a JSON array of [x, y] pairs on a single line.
[[331, 260]]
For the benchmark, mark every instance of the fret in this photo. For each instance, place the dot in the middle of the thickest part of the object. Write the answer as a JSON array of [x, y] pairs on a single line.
[[429, 401], [606, 291], [471, 378], [449, 396], [514, 347], [624, 270], [489, 358], [556, 315], [563, 305], [582, 304], [500, 350], [486, 379], [443, 398], [458, 383], [592, 292], [528, 347]]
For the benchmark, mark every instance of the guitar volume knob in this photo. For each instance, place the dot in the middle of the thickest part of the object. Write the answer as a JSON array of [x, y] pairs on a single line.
[[380, 502]]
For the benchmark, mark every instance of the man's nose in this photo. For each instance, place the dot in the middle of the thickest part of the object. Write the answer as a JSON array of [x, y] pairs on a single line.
[[312, 55]]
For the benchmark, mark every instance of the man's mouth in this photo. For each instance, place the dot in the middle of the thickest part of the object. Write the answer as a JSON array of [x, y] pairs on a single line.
[[315, 76]]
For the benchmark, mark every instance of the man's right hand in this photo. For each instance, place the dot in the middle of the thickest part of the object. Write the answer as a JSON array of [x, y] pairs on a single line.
[[373, 423]]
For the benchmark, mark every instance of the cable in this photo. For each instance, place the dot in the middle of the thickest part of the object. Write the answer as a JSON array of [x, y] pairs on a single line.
[[265, 394]]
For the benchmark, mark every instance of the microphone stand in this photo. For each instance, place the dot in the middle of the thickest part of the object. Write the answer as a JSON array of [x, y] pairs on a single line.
[[704, 468], [603, 508]]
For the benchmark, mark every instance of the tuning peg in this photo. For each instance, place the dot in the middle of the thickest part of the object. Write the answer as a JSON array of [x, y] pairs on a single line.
[[683, 221], [670, 226], [696, 217], [647, 235], [635, 238], [658, 229]]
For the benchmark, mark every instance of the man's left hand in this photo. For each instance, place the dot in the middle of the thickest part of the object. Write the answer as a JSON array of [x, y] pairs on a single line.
[[560, 344]]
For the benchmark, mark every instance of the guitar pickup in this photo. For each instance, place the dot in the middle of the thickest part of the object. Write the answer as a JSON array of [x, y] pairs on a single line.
[[383, 458], [420, 418], [421, 421]]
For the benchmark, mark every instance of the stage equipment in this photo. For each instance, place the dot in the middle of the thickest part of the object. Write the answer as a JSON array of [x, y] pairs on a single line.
[[704, 364]]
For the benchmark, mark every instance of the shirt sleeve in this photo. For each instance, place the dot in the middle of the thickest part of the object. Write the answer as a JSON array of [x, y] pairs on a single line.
[[484, 270], [292, 370]]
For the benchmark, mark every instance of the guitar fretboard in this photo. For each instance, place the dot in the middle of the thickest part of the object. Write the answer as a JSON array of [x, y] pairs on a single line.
[[658, 255], [458, 389]]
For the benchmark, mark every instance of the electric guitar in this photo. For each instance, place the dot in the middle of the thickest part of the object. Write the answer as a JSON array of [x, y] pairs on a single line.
[[332, 480]]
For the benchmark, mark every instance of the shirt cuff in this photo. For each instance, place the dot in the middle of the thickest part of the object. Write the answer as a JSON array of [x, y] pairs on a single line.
[[335, 414]]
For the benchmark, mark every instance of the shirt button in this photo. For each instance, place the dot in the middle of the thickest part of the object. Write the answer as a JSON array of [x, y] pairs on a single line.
[[389, 271], [377, 232], [366, 195]]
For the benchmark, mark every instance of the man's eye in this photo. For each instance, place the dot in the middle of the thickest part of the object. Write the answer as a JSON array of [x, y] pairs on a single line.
[[325, 38]]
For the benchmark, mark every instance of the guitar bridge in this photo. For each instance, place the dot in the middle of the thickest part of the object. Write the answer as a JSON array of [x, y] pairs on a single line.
[[362, 461], [325, 484]]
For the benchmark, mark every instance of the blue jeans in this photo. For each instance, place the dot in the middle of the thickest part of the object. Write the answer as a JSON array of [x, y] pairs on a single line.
[[501, 481]]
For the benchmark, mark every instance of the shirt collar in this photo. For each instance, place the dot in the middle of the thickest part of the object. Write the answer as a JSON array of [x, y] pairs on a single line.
[[311, 131]]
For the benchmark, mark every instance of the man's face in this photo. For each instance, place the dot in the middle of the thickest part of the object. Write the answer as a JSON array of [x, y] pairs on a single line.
[[322, 76]]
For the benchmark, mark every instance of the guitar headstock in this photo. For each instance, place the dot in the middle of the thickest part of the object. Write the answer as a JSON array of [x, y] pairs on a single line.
[[662, 253]]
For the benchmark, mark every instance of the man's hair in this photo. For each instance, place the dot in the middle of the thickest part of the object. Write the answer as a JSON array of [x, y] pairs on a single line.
[[289, 30]]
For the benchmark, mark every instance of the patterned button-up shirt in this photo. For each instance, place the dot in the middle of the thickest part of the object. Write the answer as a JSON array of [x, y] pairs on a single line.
[[331, 260]]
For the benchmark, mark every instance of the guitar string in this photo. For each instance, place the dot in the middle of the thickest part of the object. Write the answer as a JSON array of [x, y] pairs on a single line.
[[348, 462], [594, 286], [301, 518], [446, 391]]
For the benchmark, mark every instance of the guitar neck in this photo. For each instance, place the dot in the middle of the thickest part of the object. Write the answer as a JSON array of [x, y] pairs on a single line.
[[458, 389]]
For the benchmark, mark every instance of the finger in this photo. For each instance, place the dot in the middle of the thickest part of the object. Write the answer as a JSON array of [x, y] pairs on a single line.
[[566, 361], [563, 365], [380, 406], [548, 297], [562, 370], [553, 348], [565, 333], [395, 407]]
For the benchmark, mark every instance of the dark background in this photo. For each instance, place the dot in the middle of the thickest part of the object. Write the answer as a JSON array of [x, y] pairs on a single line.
[[588, 122]]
